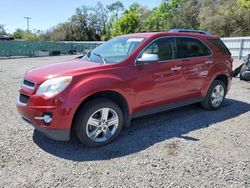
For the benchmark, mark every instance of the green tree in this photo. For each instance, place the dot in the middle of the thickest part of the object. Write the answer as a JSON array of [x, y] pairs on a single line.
[[2, 30], [21, 34], [89, 22], [157, 18], [244, 3], [81, 25], [115, 8], [61, 32], [225, 18], [128, 23], [18, 34], [102, 20], [31, 37], [160, 18], [186, 15], [220, 17]]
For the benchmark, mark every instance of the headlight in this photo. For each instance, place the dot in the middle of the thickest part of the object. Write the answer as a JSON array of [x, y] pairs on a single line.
[[54, 86]]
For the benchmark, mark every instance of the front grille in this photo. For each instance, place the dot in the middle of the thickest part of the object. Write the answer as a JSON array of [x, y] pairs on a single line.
[[28, 84], [23, 98]]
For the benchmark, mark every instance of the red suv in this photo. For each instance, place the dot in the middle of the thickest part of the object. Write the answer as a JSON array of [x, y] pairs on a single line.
[[127, 77]]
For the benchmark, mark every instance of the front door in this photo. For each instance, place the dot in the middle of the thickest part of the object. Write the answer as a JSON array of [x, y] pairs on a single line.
[[158, 82]]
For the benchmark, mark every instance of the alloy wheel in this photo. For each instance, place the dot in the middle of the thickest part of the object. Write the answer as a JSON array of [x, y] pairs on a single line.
[[102, 125], [217, 95]]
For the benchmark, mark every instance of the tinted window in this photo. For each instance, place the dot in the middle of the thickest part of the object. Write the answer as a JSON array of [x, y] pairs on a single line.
[[190, 47], [162, 47], [219, 44]]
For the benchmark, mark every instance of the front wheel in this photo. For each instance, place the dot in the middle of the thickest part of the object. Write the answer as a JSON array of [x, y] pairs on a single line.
[[215, 95], [98, 122]]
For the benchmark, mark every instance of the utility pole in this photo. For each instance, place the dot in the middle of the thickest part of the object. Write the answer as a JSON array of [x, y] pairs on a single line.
[[28, 23]]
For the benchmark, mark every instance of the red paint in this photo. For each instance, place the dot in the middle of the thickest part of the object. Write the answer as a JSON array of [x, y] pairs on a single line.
[[142, 86]]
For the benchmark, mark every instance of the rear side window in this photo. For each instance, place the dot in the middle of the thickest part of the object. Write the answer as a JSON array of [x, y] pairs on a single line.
[[219, 44], [191, 47]]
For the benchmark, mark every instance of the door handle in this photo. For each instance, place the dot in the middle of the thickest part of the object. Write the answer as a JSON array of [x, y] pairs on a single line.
[[175, 68], [209, 62]]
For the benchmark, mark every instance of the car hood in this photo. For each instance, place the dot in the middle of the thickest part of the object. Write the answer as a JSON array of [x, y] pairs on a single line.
[[66, 68]]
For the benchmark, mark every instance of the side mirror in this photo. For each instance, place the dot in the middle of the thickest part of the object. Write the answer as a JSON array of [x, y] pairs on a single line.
[[148, 58]]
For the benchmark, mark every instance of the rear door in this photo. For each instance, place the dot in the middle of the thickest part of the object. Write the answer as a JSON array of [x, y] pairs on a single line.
[[195, 60]]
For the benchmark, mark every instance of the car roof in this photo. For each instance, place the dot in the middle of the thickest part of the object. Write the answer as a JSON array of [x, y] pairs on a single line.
[[162, 34]]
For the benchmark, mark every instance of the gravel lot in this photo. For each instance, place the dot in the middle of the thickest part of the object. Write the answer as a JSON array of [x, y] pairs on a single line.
[[187, 147]]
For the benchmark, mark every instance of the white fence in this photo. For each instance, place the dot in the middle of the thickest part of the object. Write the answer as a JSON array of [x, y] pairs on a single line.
[[238, 46]]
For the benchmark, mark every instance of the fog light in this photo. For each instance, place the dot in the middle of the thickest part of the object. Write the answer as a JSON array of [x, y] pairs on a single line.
[[47, 117]]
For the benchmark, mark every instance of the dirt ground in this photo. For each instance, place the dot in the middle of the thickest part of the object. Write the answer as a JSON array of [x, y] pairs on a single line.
[[186, 147]]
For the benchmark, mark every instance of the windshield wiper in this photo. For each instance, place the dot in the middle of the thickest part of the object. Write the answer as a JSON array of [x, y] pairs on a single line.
[[98, 55], [88, 57]]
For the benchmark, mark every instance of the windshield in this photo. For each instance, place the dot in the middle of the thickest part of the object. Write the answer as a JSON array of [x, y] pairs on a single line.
[[114, 51]]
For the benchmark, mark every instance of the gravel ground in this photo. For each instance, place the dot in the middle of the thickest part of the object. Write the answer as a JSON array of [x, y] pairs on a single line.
[[187, 147]]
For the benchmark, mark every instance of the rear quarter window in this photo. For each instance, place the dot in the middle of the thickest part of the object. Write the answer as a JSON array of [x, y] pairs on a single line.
[[191, 47], [220, 45]]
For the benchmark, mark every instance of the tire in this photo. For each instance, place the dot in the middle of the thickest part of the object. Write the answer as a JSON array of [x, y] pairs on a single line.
[[241, 76], [93, 125], [210, 101]]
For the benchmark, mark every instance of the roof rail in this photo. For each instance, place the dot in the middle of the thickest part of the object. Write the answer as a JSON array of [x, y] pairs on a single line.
[[144, 31], [190, 31]]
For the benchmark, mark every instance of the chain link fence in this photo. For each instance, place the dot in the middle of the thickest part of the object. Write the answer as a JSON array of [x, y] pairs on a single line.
[[32, 49], [238, 46]]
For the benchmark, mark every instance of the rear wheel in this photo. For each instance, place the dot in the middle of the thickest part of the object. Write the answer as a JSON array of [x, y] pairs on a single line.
[[98, 122], [215, 95]]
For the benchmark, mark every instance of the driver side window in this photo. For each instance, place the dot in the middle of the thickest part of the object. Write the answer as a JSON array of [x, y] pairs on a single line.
[[152, 49], [163, 47]]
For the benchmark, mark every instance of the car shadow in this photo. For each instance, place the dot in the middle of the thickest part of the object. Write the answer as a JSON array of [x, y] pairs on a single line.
[[145, 132]]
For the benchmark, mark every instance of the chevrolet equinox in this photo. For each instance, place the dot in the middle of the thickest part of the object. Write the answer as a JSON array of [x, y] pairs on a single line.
[[127, 77]]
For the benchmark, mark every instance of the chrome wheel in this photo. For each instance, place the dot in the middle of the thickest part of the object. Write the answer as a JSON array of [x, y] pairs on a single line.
[[217, 96], [102, 125]]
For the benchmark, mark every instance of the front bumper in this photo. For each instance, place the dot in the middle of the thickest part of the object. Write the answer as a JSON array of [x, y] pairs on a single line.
[[55, 134], [36, 106]]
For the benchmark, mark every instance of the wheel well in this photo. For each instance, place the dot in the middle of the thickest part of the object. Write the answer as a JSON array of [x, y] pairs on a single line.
[[113, 96], [222, 78]]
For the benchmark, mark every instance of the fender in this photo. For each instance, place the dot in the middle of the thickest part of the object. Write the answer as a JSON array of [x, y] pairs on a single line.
[[83, 88], [216, 70]]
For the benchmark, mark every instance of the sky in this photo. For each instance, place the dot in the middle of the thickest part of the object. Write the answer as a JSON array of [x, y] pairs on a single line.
[[48, 13]]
